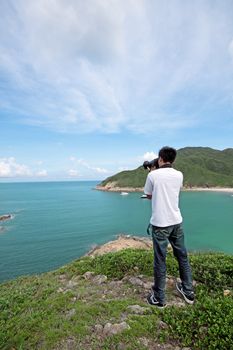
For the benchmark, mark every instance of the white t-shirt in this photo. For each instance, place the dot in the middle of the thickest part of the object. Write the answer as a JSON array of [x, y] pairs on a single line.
[[164, 185]]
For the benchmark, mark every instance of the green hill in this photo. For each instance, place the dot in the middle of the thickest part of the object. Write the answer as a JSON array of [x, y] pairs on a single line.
[[100, 303], [201, 166]]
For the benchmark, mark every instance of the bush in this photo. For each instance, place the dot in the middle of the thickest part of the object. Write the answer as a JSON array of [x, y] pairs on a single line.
[[207, 325]]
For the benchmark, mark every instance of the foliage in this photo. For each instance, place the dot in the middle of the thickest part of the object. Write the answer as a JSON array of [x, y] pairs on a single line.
[[33, 313], [114, 265], [205, 326]]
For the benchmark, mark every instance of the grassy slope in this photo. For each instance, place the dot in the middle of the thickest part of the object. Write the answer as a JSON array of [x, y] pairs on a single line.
[[34, 313], [201, 166]]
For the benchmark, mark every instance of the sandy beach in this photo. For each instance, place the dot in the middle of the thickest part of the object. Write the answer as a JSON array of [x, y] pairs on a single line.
[[139, 189], [209, 189]]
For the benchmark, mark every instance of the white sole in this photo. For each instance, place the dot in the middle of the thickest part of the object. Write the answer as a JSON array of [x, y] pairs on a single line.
[[190, 302], [158, 307]]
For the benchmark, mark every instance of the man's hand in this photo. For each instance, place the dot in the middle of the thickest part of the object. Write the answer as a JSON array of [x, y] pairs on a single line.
[[149, 196]]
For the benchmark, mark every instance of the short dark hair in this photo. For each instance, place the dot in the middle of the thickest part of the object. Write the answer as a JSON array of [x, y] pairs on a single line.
[[168, 154]]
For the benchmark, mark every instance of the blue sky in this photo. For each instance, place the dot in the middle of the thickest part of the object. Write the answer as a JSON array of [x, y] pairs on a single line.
[[89, 88]]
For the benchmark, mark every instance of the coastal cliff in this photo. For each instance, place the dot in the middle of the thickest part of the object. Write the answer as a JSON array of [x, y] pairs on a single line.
[[99, 302]]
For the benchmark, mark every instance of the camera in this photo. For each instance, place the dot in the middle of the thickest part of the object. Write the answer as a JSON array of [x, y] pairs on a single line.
[[152, 164]]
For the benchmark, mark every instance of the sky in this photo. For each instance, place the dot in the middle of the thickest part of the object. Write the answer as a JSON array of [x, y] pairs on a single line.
[[91, 88]]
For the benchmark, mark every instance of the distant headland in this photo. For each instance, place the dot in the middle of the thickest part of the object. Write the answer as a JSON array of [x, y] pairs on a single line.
[[204, 169]]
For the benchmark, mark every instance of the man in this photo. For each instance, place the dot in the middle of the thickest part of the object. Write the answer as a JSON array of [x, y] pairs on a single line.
[[163, 188]]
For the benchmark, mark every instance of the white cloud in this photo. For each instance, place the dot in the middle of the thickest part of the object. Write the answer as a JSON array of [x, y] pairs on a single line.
[[122, 168], [85, 165], [10, 168], [148, 156], [107, 65], [100, 170], [73, 173], [5, 169]]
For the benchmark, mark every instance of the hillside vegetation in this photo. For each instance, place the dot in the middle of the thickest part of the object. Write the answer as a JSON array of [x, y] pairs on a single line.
[[201, 166], [100, 303]]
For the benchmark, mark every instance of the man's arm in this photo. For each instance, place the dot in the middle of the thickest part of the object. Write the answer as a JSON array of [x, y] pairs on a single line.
[[148, 189]]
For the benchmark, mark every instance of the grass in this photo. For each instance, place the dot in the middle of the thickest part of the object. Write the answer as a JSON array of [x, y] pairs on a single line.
[[35, 313]]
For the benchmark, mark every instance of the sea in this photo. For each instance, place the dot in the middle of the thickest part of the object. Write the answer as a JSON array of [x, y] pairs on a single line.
[[56, 222]]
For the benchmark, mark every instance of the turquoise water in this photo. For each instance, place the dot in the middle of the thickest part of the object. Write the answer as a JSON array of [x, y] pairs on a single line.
[[57, 222]]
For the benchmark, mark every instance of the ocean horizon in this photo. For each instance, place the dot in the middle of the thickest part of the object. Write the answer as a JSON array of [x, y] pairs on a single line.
[[56, 222]]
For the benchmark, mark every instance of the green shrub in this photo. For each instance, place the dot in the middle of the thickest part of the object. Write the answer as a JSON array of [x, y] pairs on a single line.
[[115, 265], [215, 270], [207, 325]]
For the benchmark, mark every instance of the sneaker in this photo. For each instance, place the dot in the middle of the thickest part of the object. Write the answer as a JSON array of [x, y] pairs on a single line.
[[153, 301], [188, 298]]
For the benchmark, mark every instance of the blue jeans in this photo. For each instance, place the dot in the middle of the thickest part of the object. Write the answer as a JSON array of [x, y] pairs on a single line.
[[161, 236]]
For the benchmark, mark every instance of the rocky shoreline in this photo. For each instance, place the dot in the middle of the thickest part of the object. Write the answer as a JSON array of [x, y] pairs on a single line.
[[6, 217], [110, 188], [122, 242]]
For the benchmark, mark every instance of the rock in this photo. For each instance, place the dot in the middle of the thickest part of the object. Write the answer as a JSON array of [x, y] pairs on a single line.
[[98, 328], [88, 275], [62, 277], [162, 325], [70, 313], [115, 284], [147, 285], [122, 242], [144, 341], [167, 347], [136, 281], [186, 349], [74, 299], [71, 284], [107, 328], [5, 217], [111, 329], [67, 344], [170, 282], [178, 303], [138, 310], [76, 278], [164, 347], [100, 279], [60, 290], [226, 292]]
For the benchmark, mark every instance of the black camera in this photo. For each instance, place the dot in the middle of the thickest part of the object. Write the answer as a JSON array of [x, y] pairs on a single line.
[[152, 164]]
